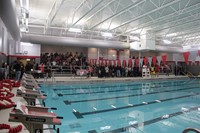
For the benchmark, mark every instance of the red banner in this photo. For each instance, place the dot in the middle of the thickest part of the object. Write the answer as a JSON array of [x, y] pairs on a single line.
[[199, 52], [119, 63], [114, 62], [110, 62], [186, 56], [124, 63], [137, 62], [154, 60], [145, 60], [130, 62], [164, 59]]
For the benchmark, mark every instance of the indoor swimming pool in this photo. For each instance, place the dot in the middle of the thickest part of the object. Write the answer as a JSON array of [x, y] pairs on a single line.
[[145, 106]]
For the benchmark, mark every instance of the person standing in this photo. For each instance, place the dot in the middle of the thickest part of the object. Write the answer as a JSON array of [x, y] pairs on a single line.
[[167, 69], [17, 70]]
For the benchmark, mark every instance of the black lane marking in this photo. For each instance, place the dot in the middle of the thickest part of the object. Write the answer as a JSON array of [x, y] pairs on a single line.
[[59, 94], [77, 114], [148, 122], [67, 102], [94, 87], [136, 105], [92, 131]]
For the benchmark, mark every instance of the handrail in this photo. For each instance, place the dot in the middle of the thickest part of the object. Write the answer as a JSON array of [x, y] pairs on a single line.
[[191, 74], [185, 74], [191, 129]]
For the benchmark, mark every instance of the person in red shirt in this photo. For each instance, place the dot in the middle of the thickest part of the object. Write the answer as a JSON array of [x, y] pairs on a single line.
[[42, 68]]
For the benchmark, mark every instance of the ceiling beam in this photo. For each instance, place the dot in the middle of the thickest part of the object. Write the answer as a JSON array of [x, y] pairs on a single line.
[[152, 11], [163, 18], [57, 8], [119, 13], [98, 11], [87, 13]]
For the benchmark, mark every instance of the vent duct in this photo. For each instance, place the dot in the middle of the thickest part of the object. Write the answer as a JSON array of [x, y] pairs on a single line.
[[76, 42]]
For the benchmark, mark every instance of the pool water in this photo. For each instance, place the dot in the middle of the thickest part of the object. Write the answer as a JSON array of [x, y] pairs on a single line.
[[149, 106]]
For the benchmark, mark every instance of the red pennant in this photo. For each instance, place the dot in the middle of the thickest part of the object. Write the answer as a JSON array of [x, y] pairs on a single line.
[[186, 56], [102, 62], [95, 61], [119, 63], [154, 60], [110, 62], [130, 62], [137, 62], [164, 58], [145, 60], [124, 63], [114, 62]]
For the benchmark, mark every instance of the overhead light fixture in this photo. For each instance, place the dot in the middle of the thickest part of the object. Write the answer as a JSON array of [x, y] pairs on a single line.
[[106, 34], [171, 35], [26, 44], [167, 41], [74, 30], [187, 47]]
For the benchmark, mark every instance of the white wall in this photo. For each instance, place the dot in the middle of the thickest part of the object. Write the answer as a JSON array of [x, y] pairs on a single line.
[[62, 49], [192, 57], [3, 38], [92, 53], [24, 49], [112, 54], [124, 54]]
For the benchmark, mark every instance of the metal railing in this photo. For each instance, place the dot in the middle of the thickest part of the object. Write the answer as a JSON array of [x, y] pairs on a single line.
[[195, 130]]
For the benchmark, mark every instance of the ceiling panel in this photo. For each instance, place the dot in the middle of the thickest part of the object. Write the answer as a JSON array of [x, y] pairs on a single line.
[[179, 18]]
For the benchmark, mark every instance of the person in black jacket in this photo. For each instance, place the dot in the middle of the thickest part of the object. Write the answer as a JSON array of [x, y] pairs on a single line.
[[17, 70]]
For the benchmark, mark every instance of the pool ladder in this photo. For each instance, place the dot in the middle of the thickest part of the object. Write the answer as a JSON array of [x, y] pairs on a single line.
[[195, 130]]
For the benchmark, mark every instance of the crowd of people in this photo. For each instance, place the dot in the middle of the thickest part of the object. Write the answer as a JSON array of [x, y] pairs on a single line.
[[63, 59], [71, 63]]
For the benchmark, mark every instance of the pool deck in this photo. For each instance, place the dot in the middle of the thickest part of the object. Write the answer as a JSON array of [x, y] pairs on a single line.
[[91, 79], [4, 114]]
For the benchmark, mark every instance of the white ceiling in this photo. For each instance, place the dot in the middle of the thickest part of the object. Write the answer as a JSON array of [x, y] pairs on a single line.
[[177, 21]]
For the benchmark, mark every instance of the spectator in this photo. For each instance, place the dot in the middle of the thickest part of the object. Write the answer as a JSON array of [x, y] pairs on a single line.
[[167, 70], [17, 70]]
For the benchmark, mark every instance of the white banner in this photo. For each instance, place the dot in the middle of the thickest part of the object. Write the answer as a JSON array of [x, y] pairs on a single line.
[[150, 60], [141, 61], [159, 58]]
